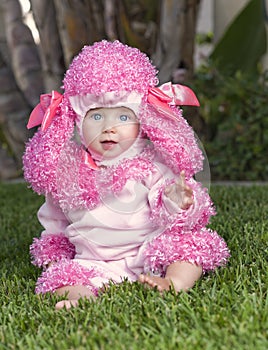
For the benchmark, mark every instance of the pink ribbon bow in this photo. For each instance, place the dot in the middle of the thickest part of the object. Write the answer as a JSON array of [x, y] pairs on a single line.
[[88, 160], [45, 111], [168, 95]]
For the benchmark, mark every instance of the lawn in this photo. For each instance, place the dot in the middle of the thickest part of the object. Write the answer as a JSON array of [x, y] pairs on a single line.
[[225, 310]]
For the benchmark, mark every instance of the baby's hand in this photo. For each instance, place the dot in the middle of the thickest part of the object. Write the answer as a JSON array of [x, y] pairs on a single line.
[[180, 193]]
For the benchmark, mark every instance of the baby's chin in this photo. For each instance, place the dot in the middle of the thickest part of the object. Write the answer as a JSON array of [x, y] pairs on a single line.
[[107, 155], [109, 151]]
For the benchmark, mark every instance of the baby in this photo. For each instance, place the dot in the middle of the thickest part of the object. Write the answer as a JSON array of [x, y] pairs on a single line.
[[115, 160]]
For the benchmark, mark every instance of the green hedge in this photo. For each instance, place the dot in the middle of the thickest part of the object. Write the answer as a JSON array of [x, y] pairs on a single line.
[[234, 111]]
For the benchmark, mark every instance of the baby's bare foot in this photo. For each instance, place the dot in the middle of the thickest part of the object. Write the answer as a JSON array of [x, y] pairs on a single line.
[[73, 293], [161, 283], [67, 304]]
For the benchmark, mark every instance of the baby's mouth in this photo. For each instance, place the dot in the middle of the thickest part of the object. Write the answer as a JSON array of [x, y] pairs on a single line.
[[108, 144]]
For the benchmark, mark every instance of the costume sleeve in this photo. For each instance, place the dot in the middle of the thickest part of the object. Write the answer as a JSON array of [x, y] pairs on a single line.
[[185, 236], [165, 213], [53, 245]]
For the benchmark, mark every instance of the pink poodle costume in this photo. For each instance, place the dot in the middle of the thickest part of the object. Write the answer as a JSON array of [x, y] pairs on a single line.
[[109, 220]]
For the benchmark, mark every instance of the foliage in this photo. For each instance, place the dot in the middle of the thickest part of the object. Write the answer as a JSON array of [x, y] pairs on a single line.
[[233, 96], [204, 38], [225, 310], [235, 112], [244, 41]]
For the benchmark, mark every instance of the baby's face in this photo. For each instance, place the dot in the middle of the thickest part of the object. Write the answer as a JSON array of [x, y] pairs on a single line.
[[108, 132]]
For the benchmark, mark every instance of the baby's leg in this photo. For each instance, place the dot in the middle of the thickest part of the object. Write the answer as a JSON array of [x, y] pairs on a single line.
[[74, 293], [179, 275]]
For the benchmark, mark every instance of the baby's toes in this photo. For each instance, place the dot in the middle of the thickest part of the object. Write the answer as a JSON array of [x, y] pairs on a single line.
[[67, 304]]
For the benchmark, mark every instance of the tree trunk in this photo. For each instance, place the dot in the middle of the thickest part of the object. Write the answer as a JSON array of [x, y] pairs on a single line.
[[23, 51], [8, 166], [65, 26], [80, 23], [188, 44], [14, 112], [50, 46], [15, 107], [110, 19], [175, 45]]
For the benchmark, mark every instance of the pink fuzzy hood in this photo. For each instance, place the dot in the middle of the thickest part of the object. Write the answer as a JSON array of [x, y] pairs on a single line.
[[110, 68]]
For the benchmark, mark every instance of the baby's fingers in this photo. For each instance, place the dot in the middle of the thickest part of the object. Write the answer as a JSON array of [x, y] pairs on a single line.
[[168, 190], [182, 178], [182, 174], [187, 203], [188, 190], [181, 182]]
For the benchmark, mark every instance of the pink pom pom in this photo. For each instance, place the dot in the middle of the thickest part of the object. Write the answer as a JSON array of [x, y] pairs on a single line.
[[49, 248], [66, 273], [196, 217], [204, 247], [109, 66]]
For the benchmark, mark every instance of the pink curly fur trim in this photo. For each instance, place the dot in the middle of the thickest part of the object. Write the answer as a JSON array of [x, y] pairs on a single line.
[[109, 66], [194, 218], [174, 141], [76, 186], [100, 68], [81, 187], [51, 247], [66, 273], [202, 247], [40, 159]]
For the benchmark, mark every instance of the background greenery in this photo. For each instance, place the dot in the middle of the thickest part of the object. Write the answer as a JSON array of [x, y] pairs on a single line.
[[225, 310], [232, 88], [234, 116]]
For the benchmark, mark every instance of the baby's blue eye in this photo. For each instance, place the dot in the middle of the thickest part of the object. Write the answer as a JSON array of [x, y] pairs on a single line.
[[96, 116], [123, 118]]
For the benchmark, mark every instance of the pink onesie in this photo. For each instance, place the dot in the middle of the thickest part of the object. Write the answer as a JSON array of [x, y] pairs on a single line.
[[110, 221], [122, 235]]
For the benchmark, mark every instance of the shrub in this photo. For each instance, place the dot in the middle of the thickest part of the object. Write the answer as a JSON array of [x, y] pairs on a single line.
[[235, 114]]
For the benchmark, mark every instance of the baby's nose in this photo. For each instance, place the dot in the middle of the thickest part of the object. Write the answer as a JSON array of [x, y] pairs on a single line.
[[109, 127]]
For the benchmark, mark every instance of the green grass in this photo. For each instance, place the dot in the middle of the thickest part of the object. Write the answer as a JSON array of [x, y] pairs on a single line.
[[225, 310]]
